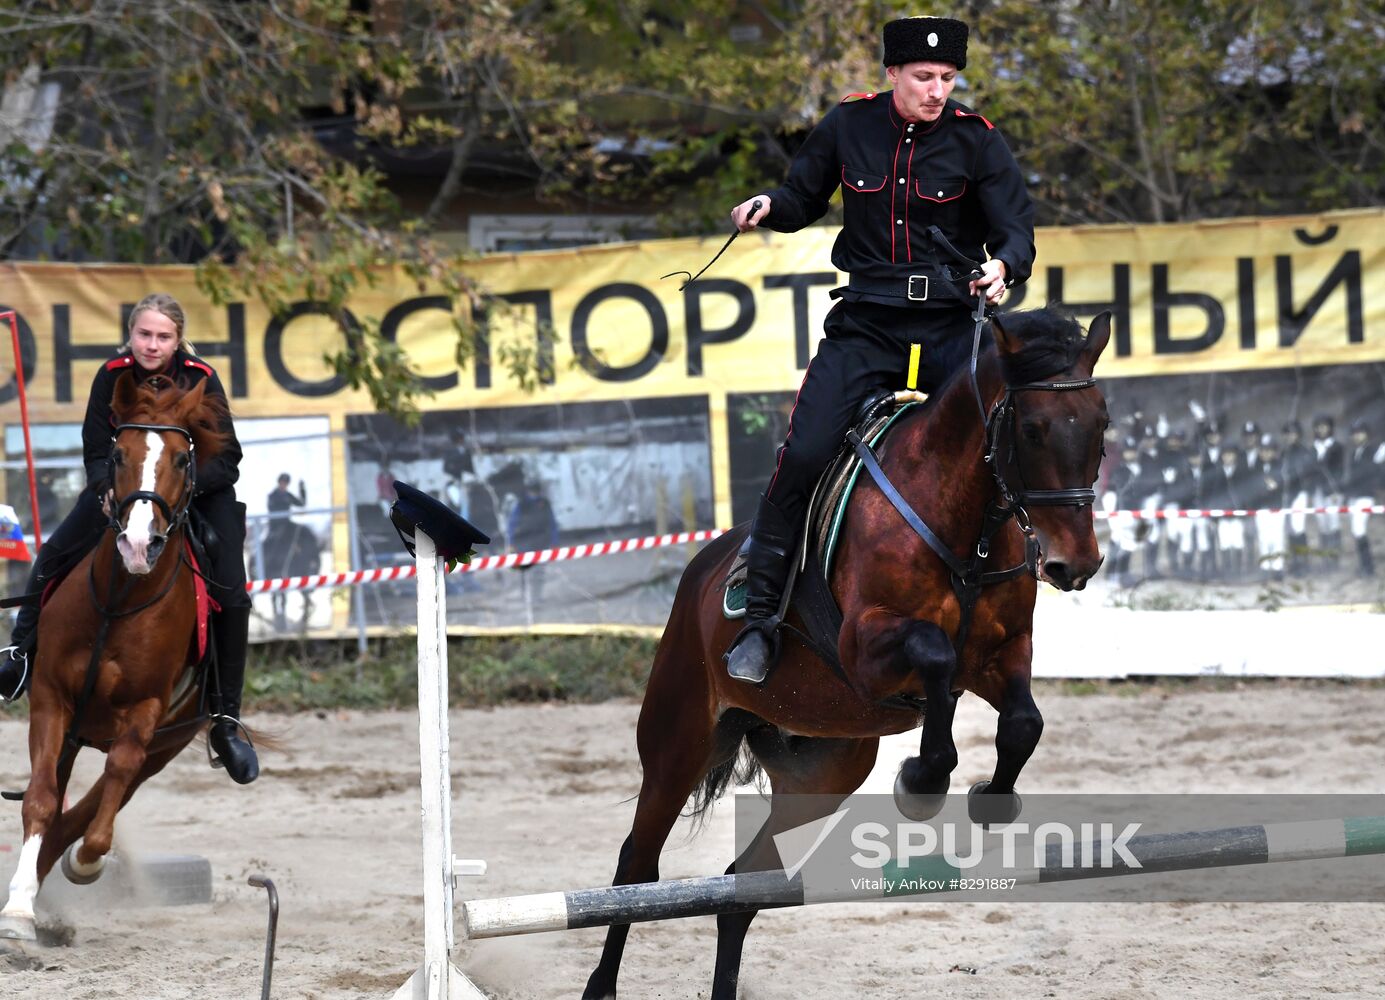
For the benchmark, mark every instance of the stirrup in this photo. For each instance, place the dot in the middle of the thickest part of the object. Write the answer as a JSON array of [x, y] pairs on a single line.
[[769, 631], [213, 718], [17, 655]]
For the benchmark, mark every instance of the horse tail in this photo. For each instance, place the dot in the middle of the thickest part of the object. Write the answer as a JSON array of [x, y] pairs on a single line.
[[739, 767]]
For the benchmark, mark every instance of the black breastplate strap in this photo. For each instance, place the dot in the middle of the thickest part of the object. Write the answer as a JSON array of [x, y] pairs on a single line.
[[967, 577]]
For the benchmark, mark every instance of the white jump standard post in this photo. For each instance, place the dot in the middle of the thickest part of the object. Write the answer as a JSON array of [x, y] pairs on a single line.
[[437, 978]]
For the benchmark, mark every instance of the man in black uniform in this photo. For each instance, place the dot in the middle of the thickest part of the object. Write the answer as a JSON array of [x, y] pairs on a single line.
[[1231, 491], [907, 160], [1173, 472], [1124, 490], [1331, 459], [1300, 477], [1361, 479]]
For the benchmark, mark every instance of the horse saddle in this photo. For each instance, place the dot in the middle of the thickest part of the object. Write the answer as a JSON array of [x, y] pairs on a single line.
[[825, 515]]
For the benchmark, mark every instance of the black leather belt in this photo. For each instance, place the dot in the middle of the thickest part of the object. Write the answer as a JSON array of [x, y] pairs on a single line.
[[914, 287]]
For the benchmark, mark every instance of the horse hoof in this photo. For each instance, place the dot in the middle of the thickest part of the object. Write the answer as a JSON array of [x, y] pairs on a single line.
[[76, 872], [988, 810], [918, 806], [18, 927]]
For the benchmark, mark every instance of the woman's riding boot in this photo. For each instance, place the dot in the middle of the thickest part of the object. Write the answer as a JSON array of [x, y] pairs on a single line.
[[18, 656], [228, 737], [756, 648]]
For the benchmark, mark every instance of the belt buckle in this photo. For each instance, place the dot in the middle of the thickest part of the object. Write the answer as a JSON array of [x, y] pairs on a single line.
[[919, 297]]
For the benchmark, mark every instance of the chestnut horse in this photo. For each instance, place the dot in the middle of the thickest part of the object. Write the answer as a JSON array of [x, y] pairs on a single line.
[[1022, 429], [117, 645]]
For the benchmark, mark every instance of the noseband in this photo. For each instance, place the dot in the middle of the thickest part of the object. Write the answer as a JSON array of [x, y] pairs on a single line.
[[174, 518]]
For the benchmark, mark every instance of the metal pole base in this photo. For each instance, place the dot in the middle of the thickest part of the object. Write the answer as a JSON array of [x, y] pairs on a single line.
[[426, 984]]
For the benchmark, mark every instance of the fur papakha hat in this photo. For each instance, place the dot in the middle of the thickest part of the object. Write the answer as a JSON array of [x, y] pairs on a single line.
[[926, 39]]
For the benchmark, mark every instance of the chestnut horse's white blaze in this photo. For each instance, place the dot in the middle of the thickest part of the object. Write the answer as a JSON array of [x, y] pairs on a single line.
[[133, 542]]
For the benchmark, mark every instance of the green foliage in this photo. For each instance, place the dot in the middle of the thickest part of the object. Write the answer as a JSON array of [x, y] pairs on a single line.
[[482, 671]]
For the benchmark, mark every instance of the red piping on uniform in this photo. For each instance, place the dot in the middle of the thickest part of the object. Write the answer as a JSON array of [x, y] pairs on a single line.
[[775, 478], [894, 172], [199, 365], [939, 201], [908, 183], [973, 114], [845, 184]]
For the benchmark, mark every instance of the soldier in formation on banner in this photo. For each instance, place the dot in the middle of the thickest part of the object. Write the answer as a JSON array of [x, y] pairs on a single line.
[[1270, 495], [908, 161], [1300, 478], [1231, 491], [1151, 497], [1177, 495], [1330, 460], [1121, 499], [1197, 495], [1250, 459], [1363, 472]]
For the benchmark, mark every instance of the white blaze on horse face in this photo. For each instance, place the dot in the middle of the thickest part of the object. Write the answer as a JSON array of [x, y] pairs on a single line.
[[133, 542], [24, 884]]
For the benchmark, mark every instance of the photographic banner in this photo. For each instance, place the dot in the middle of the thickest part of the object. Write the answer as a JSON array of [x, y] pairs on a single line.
[[660, 409]]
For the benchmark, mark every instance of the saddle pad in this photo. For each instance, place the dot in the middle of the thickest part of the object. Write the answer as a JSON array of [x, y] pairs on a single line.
[[206, 604], [826, 510]]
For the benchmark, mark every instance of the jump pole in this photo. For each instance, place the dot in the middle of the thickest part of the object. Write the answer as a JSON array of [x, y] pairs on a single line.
[[438, 978], [1156, 853]]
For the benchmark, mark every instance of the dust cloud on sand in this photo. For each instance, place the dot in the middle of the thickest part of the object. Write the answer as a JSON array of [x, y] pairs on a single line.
[[544, 794]]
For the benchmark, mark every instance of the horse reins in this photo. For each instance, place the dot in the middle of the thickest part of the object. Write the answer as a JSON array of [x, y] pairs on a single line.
[[968, 578], [176, 520]]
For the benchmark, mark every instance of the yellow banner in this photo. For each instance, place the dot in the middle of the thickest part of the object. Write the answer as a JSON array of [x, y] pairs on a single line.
[[1188, 298], [1195, 297]]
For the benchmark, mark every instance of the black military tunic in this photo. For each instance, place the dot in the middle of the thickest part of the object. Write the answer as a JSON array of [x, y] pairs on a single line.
[[214, 497], [898, 179]]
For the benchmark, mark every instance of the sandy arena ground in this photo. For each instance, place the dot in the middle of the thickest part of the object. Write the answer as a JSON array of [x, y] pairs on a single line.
[[541, 793]]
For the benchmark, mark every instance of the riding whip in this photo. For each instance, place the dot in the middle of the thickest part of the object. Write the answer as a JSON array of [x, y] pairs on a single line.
[[754, 207]]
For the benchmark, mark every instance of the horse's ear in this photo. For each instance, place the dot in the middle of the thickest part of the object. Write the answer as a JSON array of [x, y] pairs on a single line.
[[1098, 335], [125, 395], [191, 402], [1005, 343]]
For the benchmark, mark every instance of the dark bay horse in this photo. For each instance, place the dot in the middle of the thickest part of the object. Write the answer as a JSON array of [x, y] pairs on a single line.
[[133, 600], [811, 730]]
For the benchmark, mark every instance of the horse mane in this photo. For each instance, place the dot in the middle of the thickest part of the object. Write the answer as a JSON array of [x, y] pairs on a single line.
[[1051, 341], [156, 402]]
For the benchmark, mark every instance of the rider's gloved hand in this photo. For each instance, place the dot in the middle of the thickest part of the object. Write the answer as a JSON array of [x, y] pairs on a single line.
[[991, 282]]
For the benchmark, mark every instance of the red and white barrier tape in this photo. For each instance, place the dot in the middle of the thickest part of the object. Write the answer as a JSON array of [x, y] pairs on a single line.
[[1167, 515], [512, 560], [567, 552]]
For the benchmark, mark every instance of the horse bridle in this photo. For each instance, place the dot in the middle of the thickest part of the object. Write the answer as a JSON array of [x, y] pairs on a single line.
[[174, 518], [1002, 416]]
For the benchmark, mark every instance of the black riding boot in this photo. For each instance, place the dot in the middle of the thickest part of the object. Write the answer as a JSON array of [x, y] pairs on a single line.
[[756, 648], [227, 736], [18, 656], [1365, 561]]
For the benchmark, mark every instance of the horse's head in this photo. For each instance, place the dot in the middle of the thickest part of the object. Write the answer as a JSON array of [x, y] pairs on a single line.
[[152, 466], [1045, 435]]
